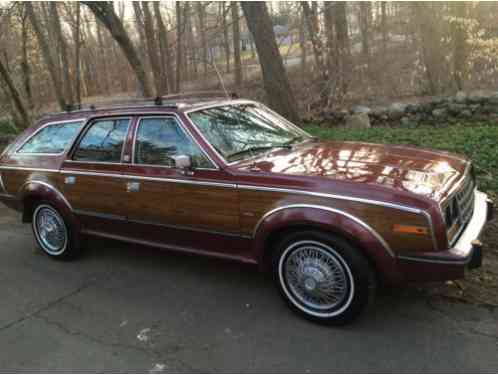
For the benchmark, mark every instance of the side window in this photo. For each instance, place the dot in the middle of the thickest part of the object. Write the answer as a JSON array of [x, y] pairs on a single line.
[[159, 139], [52, 139], [103, 142]]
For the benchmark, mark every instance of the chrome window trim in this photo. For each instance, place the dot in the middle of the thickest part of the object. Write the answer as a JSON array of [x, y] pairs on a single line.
[[2, 186], [49, 186], [83, 121], [146, 178], [232, 103], [187, 133], [329, 209], [88, 126], [92, 162]]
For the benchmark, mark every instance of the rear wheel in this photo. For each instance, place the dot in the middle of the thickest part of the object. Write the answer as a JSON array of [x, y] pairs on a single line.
[[52, 233], [323, 277]]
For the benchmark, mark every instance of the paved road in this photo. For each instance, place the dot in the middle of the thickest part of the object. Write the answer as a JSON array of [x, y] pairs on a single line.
[[138, 309]]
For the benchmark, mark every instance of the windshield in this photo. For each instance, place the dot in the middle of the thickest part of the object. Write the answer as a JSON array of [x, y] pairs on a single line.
[[243, 130]]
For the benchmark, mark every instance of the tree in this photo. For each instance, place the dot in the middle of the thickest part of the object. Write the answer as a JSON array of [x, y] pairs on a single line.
[[47, 56], [166, 66], [236, 44], [180, 29], [104, 12], [25, 68], [275, 81], [312, 24], [152, 49], [55, 19], [14, 93], [201, 13], [459, 38], [343, 52]]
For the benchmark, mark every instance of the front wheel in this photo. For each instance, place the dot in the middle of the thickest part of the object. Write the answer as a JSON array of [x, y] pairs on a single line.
[[52, 233], [323, 277]]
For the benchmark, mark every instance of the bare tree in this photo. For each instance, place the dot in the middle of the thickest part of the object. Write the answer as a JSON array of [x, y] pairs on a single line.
[[275, 80], [166, 66], [312, 23], [25, 66], [152, 49], [14, 94], [343, 52], [104, 12], [226, 41], [201, 13], [180, 28], [459, 38], [47, 56], [236, 44], [383, 26], [54, 13]]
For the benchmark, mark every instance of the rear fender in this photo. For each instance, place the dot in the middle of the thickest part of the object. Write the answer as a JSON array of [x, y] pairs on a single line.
[[41, 191], [332, 221]]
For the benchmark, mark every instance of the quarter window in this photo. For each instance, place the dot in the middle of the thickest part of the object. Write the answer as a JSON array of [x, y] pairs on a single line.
[[52, 139], [159, 139], [103, 142]]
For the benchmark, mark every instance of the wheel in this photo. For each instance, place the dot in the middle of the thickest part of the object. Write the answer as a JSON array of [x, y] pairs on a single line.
[[323, 277], [52, 233]]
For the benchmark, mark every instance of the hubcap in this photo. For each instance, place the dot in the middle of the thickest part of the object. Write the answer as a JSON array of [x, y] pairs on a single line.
[[316, 278], [50, 230]]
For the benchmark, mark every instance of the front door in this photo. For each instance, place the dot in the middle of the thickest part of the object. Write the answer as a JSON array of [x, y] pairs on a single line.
[[93, 181], [194, 210]]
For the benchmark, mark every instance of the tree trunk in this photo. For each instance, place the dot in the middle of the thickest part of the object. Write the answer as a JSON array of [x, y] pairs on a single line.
[[226, 41], [365, 14], [152, 49], [201, 13], [16, 97], [328, 15], [166, 68], [276, 84], [383, 26], [105, 14], [77, 49], [302, 42], [139, 23], [45, 49], [179, 46], [459, 37], [103, 58], [190, 46], [312, 24], [236, 44], [26, 71], [343, 52]]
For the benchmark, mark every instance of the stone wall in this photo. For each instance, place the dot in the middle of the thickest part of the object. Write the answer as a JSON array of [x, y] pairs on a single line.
[[461, 107]]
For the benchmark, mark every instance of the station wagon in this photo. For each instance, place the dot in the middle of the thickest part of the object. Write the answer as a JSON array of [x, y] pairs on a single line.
[[230, 178]]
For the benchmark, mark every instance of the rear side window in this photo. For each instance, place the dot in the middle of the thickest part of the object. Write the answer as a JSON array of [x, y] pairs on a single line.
[[103, 142], [52, 139]]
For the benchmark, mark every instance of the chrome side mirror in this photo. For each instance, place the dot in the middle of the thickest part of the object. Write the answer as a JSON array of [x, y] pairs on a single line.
[[183, 162]]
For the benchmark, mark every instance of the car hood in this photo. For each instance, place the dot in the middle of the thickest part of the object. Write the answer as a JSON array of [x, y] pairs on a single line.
[[421, 171]]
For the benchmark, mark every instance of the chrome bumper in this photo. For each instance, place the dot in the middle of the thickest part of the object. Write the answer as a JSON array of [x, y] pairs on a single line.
[[468, 243]]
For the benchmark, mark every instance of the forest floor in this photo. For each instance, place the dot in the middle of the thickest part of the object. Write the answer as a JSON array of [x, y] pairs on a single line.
[[477, 141]]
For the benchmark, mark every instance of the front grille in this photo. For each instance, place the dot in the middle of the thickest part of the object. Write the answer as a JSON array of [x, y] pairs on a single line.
[[460, 207]]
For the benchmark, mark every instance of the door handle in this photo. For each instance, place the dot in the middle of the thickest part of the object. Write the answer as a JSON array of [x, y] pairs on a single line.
[[132, 187]]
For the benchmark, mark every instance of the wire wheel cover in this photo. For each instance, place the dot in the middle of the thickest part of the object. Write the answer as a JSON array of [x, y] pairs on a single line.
[[316, 277], [51, 230]]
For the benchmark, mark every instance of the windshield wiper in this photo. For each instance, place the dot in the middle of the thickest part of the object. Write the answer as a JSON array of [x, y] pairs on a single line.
[[259, 148]]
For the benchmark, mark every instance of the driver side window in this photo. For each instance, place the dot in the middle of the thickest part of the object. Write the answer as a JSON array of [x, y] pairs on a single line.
[[159, 139]]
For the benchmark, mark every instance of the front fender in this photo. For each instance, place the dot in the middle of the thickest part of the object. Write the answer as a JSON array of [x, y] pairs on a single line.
[[330, 220]]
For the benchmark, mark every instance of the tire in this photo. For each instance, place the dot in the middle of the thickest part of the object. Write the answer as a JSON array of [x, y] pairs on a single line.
[[323, 277], [53, 233]]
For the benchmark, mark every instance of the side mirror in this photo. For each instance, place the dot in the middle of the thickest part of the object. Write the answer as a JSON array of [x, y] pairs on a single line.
[[183, 162]]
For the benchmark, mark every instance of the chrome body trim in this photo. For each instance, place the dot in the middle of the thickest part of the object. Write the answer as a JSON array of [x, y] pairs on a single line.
[[431, 260], [185, 130], [329, 209], [144, 178], [52, 123], [47, 185], [29, 169], [100, 215]]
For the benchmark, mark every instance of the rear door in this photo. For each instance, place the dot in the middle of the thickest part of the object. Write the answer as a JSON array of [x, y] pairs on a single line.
[[93, 181]]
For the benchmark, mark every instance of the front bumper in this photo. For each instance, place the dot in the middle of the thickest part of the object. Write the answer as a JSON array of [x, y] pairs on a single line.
[[465, 254]]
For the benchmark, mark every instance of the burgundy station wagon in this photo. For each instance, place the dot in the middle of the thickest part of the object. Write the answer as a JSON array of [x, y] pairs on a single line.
[[232, 179]]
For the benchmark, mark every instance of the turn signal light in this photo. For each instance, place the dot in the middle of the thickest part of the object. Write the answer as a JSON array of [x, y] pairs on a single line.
[[410, 229]]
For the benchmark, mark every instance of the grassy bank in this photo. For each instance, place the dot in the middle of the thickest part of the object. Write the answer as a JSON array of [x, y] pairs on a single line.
[[477, 141]]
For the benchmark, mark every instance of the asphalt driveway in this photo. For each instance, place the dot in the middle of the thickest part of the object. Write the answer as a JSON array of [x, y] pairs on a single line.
[[122, 308]]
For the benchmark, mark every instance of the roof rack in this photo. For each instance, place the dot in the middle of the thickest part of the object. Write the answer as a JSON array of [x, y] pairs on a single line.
[[169, 101]]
